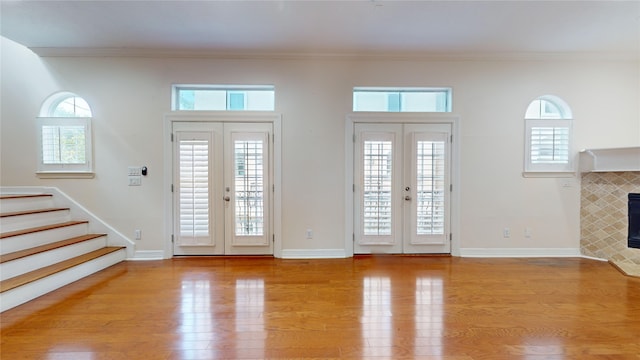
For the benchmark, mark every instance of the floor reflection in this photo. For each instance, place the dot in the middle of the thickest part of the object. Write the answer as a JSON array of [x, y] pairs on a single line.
[[377, 327], [197, 318], [429, 317], [250, 332]]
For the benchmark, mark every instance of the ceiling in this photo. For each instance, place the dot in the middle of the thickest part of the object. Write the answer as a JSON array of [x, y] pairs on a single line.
[[326, 27]]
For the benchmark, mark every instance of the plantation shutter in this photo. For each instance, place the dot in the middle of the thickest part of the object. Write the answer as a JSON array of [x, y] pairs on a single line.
[[64, 144], [548, 145], [430, 187], [377, 187], [249, 180], [194, 151]]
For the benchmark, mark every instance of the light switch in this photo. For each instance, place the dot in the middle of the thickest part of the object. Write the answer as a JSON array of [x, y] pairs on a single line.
[[135, 180], [134, 171]]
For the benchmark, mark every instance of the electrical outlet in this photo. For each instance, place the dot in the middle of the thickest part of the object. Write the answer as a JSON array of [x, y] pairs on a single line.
[[527, 232], [506, 232], [309, 234], [138, 234]]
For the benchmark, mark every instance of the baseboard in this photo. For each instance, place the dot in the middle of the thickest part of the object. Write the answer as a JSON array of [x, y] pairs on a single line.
[[142, 255], [313, 254], [520, 252]]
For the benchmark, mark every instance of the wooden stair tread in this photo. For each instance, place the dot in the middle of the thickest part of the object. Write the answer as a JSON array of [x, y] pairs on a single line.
[[42, 248], [32, 276], [20, 196], [40, 228], [29, 212]]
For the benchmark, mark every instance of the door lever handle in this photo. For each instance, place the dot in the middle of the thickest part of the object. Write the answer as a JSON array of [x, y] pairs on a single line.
[[408, 198], [227, 198]]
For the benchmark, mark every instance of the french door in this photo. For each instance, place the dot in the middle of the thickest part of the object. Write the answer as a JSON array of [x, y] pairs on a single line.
[[222, 181], [402, 188]]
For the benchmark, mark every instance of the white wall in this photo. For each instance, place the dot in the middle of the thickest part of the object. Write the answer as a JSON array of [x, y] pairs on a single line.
[[129, 97]]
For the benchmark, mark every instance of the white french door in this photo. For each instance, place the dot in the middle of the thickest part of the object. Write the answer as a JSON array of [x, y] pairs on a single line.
[[221, 188], [402, 188]]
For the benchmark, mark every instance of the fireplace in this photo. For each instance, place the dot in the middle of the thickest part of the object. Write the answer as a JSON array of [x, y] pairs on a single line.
[[634, 221]]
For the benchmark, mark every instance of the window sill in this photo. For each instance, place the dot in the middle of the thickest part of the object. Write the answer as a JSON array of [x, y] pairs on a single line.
[[548, 174], [65, 175]]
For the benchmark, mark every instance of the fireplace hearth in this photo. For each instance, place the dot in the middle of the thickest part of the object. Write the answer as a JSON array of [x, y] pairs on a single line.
[[634, 221]]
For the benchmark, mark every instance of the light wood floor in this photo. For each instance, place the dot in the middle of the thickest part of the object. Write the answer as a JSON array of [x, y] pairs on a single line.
[[367, 307]]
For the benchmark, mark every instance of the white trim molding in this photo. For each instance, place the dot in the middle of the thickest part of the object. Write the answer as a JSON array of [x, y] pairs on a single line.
[[406, 118], [223, 117], [143, 255], [520, 252]]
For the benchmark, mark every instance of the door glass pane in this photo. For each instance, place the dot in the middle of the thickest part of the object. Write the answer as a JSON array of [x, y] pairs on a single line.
[[377, 178], [194, 188], [249, 187], [430, 189]]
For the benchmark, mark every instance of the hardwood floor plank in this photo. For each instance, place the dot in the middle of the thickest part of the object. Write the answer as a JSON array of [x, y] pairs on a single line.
[[366, 307]]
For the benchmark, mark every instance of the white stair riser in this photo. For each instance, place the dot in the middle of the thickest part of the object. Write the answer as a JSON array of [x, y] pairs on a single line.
[[27, 241], [13, 223], [23, 204], [17, 267], [12, 298]]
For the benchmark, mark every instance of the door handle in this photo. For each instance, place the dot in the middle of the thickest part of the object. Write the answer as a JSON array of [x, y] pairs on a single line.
[[227, 198], [408, 198]]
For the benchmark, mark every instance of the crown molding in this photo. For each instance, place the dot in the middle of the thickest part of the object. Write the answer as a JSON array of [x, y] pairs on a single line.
[[431, 56]]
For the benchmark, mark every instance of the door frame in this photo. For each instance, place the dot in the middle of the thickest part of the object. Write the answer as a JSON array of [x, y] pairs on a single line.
[[223, 117], [401, 118]]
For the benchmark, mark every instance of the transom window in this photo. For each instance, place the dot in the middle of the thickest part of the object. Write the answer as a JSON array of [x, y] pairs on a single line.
[[402, 99], [223, 97], [548, 123], [64, 134]]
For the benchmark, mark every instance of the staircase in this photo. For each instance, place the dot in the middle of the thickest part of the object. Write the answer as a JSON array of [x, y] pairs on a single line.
[[42, 248]]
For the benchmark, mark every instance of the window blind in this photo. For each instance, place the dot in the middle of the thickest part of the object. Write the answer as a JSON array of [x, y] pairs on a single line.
[[194, 190], [549, 145], [377, 176], [63, 144], [249, 187], [430, 191]]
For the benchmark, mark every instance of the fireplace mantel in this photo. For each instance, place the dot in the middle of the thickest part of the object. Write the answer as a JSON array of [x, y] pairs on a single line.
[[610, 159]]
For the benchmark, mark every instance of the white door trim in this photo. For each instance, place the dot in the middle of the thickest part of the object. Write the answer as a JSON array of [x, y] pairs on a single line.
[[406, 118], [223, 117]]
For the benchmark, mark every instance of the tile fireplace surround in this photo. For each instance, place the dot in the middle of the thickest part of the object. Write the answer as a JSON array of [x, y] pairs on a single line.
[[604, 218]]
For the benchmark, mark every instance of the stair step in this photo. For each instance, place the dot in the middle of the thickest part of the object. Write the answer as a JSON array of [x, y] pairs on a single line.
[[23, 196], [24, 202], [32, 276], [30, 212], [55, 245], [40, 228]]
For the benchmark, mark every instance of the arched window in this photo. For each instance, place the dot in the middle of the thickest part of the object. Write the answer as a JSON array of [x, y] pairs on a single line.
[[548, 123], [64, 134]]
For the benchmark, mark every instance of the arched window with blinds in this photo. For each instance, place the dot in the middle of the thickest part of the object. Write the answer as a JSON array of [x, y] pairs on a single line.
[[548, 139], [64, 136]]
